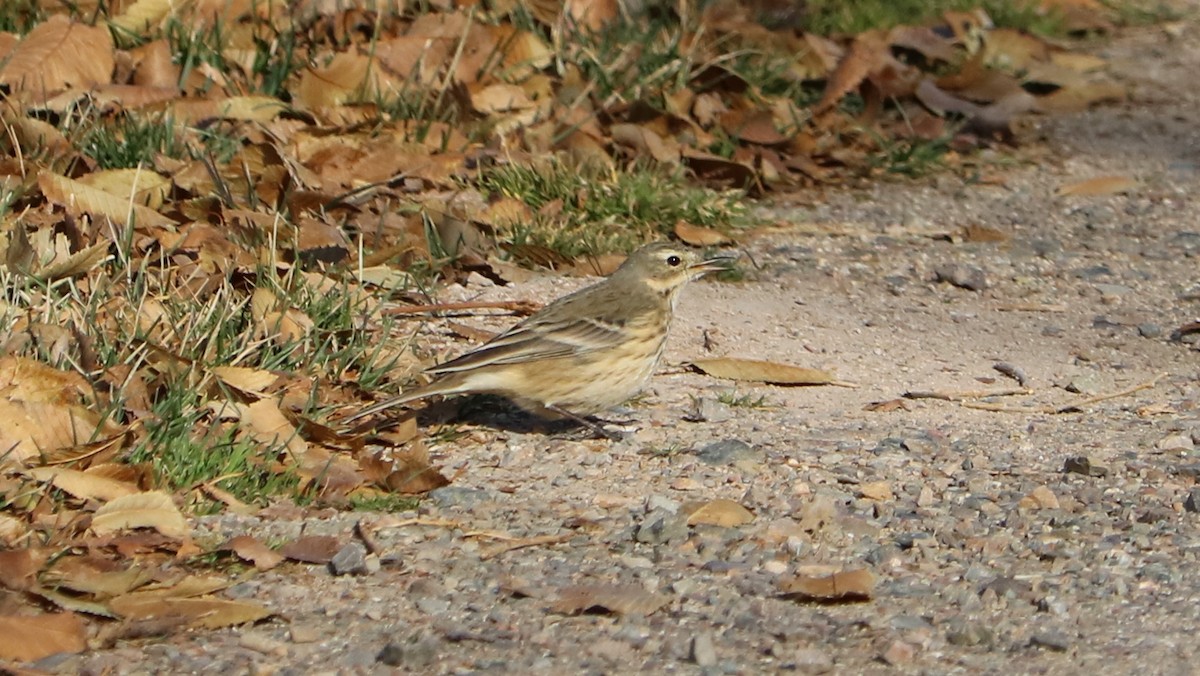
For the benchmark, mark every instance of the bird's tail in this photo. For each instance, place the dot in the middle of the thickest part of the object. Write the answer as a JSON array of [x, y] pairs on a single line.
[[436, 387]]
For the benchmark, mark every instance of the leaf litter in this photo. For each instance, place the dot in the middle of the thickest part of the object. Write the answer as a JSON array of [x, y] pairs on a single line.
[[259, 194]]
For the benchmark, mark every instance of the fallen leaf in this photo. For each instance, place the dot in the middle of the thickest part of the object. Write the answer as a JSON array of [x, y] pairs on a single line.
[[252, 550], [1101, 185], [26, 638], [696, 235], [848, 586], [719, 512], [248, 380], [312, 549], [99, 577], [762, 371], [199, 613], [887, 406], [83, 485], [19, 568], [613, 598], [152, 509]]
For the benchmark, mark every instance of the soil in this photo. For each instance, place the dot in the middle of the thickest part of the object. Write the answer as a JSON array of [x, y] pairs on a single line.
[[1056, 535]]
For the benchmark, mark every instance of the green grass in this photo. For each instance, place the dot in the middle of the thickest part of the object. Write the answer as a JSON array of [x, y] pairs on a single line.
[[1143, 12], [731, 398], [130, 140], [20, 16], [831, 17], [602, 212]]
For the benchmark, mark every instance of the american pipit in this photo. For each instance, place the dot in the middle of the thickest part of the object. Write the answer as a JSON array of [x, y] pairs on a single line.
[[585, 352]]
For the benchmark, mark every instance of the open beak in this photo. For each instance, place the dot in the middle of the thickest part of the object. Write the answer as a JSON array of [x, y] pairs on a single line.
[[714, 264]]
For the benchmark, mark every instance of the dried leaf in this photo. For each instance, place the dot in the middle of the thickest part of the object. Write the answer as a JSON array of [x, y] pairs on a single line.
[[26, 638], [696, 235], [19, 568], [251, 381], [153, 509], [312, 549], [719, 512], [613, 598], [98, 577], [1102, 185], [199, 613], [73, 194], [82, 484], [887, 406], [252, 550], [762, 371], [848, 586], [60, 53]]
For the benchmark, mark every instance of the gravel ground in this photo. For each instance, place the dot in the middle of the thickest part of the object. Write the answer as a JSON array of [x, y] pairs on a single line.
[[1001, 541]]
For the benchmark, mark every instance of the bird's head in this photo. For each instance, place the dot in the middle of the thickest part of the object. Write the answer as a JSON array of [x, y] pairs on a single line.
[[666, 266]]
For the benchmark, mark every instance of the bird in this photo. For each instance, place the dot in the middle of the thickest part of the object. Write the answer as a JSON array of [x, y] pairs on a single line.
[[583, 354]]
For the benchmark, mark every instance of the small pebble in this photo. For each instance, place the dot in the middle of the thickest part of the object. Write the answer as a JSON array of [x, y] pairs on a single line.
[[702, 652]]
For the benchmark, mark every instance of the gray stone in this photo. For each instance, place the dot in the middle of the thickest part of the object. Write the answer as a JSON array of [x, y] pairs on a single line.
[[1149, 330], [965, 633], [351, 559], [1113, 289], [969, 277], [1084, 383], [458, 496], [729, 452], [417, 651], [812, 661], [1175, 442], [656, 503], [702, 652], [662, 527], [1081, 464], [1192, 503], [1051, 640], [707, 409]]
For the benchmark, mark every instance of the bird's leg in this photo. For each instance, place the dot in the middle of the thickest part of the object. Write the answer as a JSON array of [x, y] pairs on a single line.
[[590, 424]]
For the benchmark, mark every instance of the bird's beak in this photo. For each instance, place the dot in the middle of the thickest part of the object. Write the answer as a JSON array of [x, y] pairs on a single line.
[[714, 264]]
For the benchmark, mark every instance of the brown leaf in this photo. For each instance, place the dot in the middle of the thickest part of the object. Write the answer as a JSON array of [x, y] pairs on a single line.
[[719, 512], [887, 406], [199, 613], [60, 53], [413, 473], [152, 509], [83, 485], [982, 233], [248, 380], [75, 195], [42, 411], [613, 598], [26, 638], [252, 550], [312, 549], [19, 568], [865, 53], [849, 586], [696, 235], [755, 370], [96, 576], [1101, 185]]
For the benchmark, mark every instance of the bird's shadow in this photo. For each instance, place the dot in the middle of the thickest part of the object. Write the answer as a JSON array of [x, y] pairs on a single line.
[[498, 413]]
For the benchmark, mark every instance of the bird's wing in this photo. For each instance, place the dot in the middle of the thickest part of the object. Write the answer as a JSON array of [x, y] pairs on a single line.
[[541, 338]]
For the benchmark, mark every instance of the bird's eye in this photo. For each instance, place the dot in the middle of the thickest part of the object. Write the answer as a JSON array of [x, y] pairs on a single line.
[[674, 261]]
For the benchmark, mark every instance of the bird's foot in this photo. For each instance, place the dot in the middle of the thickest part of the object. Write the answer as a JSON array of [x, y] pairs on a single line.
[[600, 428]]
